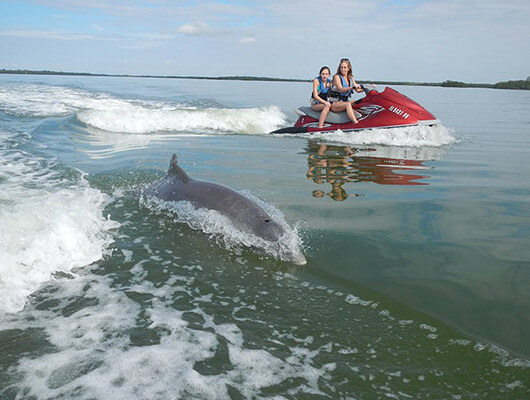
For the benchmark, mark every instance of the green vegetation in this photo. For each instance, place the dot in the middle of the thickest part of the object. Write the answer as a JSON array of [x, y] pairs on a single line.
[[29, 72], [402, 83], [522, 84], [464, 84], [453, 84], [230, 78], [525, 85]]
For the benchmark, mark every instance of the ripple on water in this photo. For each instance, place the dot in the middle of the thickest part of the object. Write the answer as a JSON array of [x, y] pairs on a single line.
[[188, 332]]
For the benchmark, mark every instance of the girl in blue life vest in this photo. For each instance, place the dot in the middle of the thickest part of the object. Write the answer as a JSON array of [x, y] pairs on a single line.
[[343, 86], [319, 97]]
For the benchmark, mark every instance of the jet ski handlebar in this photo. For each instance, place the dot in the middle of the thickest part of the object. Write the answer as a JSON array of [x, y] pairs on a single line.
[[367, 87]]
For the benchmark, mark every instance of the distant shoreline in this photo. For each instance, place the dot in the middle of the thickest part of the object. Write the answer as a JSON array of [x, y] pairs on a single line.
[[515, 84]]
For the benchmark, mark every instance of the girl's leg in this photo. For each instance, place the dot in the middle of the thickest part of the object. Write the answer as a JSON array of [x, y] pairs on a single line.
[[340, 106], [351, 114], [317, 107], [324, 110], [323, 115]]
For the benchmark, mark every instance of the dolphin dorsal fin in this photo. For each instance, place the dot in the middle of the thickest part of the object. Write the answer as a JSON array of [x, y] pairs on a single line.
[[175, 171]]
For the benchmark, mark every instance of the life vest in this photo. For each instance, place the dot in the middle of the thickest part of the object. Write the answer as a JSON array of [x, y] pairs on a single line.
[[344, 96], [323, 90]]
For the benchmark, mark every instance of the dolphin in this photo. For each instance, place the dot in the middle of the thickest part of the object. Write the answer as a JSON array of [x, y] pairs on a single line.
[[243, 213]]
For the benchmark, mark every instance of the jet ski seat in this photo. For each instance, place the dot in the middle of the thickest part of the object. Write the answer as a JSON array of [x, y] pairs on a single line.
[[332, 118]]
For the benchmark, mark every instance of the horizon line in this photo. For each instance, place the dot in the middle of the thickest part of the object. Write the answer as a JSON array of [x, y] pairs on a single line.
[[447, 83]]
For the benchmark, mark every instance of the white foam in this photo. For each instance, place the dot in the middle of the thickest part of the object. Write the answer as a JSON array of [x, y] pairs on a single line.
[[142, 119], [408, 136], [48, 101], [108, 113], [47, 225], [220, 227], [93, 355], [49, 233]]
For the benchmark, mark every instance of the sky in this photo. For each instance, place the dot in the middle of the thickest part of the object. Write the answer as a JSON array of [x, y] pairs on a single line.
[[480, 41]]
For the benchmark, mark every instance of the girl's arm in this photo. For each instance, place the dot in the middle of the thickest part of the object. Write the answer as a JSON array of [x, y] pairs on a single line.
[[356, 86]]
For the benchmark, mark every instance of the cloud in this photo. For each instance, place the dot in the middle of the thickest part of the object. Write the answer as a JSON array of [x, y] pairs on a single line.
[[248, 39], [118, 8], [142, 45], [44, 34], [195, 29], [153, 36], [144, 40], [395, 40], [158, 10], [97, 27]]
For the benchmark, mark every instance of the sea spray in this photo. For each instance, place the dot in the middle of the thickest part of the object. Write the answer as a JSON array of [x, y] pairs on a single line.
[[108, 113], [406, 136], [48, 224], [221, 229]]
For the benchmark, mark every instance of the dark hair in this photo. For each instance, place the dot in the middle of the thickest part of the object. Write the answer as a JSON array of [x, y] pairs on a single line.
[[323, 68], [350, 71]]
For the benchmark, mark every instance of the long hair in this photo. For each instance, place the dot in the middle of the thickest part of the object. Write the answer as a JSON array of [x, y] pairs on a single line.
[[350, 71]]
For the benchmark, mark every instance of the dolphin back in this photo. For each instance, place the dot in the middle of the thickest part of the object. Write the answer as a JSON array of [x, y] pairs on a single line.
[[175, 171], [245, 214]]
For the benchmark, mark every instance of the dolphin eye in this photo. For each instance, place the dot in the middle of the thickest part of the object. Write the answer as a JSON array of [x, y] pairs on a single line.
[[267, 220]]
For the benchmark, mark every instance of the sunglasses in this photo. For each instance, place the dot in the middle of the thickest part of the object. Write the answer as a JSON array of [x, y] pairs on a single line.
[[344, 60]]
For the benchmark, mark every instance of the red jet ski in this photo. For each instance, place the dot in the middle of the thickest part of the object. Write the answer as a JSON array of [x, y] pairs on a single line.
[[386, 109]]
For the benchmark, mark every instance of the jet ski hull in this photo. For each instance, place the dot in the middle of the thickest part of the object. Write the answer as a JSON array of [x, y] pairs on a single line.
[[387, 109]]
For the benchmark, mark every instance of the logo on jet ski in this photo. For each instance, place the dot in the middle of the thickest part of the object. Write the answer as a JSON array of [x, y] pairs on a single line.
[[369, 110], [399, 112], [315, 125]]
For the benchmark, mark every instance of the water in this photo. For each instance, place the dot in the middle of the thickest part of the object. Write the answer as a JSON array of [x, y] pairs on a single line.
[[417, 283]]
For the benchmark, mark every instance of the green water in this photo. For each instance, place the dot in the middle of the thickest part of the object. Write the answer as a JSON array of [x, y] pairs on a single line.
[[417, 282]]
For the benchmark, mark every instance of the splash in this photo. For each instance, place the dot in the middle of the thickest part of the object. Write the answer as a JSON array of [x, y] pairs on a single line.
[[48, 224], [142, 119], [407, 136], [93, 356], [211, 222], [108, 113]]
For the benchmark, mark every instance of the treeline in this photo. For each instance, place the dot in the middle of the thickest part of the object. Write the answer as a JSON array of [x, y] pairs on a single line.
[[229, 78], [220, 78], [45, 72], [464, 84], [520, 84], [513, 85], [403, 83]]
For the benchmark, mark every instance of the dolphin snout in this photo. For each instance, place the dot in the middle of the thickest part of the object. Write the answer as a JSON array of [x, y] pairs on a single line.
[[297, 259]]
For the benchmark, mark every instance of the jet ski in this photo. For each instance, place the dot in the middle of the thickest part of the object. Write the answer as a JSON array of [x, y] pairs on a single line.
[[386, 109]]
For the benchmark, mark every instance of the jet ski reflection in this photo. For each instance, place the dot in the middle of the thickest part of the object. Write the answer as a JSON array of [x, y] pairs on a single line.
[[338, 165]]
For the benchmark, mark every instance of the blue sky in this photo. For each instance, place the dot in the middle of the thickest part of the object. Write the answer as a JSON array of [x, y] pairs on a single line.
[[402, 40]]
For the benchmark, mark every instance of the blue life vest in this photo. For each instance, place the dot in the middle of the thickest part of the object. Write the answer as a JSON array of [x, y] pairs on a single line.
[[344, 96], [323, 91], [322, 88], [346, 84]]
